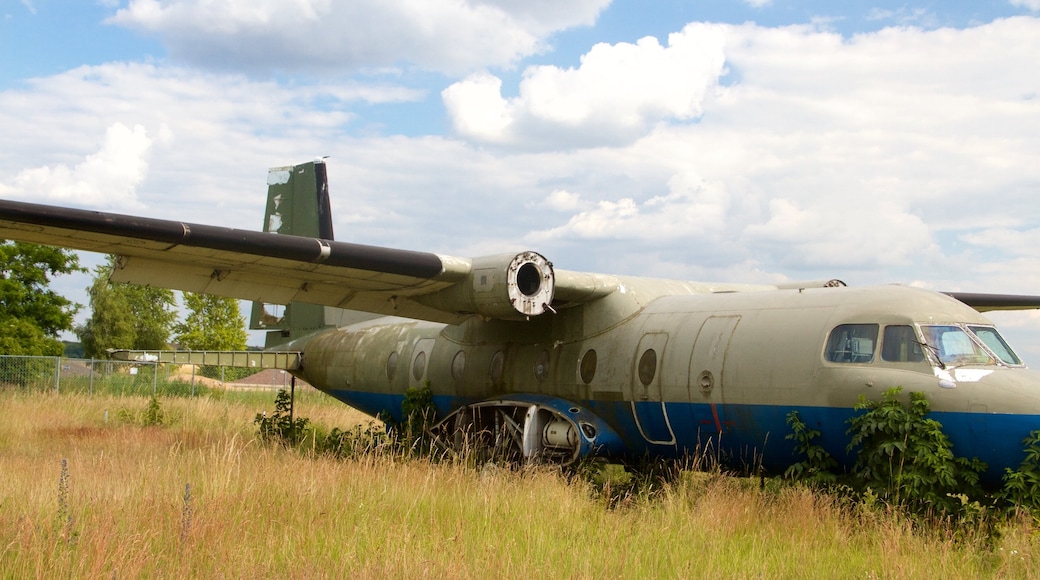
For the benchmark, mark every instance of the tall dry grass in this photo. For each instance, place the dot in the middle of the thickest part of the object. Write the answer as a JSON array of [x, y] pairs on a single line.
[[200, 497]]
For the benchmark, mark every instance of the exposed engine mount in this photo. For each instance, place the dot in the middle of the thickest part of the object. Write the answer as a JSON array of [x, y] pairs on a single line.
[[527, 428]]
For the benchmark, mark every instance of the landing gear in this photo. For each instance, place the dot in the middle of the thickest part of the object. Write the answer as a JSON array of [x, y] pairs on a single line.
[[513, 431]]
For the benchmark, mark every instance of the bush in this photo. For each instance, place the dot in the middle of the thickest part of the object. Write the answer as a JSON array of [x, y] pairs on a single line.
[[1022, 486], [281, 426], [818, 467], [906, 458]]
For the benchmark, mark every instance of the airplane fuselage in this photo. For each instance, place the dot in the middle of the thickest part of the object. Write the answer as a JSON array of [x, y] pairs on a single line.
[[677, 373]]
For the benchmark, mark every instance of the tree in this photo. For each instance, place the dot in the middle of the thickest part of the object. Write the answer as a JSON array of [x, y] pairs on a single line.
[[213, 323], [126, 315], [31, 314]]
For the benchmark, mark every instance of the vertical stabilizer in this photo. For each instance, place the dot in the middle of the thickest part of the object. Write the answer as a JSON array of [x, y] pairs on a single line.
[[297, 204]]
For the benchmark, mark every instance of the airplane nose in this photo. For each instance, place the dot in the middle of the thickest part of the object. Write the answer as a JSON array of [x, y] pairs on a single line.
[[1014, 391]]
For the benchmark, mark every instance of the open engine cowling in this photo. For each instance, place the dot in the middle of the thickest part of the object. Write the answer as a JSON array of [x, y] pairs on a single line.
[[505, 287], [530, 284], [528, 428]]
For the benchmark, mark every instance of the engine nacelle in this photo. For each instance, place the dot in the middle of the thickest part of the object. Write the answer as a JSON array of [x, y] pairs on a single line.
[[508, 287], [530, 284]]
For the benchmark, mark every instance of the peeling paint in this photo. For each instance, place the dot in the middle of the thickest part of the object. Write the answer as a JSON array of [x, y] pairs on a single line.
[[278, 176]]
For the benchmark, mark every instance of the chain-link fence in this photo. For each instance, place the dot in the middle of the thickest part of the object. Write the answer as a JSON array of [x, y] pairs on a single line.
[[68, 375]]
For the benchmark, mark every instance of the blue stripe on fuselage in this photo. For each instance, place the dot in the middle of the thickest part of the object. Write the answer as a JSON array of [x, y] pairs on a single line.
[[754, 435]]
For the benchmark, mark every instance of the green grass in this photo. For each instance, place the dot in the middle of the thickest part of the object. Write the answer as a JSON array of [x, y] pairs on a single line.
[[264, 510]]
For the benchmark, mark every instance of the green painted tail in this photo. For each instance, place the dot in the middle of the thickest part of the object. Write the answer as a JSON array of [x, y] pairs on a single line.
[[297, 204]]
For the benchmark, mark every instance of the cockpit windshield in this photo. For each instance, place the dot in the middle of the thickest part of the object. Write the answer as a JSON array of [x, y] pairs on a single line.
[[968, 345], [995, 343], [952, 345]]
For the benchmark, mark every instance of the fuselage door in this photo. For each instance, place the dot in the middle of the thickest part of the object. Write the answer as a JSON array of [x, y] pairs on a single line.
[[708, 363], [648, 408], [708, 359]]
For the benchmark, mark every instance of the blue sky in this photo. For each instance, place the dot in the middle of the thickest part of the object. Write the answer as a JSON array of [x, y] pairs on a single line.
[[757, 141]]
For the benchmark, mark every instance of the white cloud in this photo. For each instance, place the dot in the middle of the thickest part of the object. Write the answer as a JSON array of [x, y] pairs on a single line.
[[900, 155], [107, 178], [478, 109], [337, 35], [617, 93], [828, 155], [1033, 5], [1011, 243], [691, 210], [863, 235], [228, 131], [563, 200]]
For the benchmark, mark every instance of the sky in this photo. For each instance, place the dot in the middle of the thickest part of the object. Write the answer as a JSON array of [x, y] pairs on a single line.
[[755, 141]]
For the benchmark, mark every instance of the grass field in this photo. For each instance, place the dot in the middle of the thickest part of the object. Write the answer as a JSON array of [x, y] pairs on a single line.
[[199, 496]]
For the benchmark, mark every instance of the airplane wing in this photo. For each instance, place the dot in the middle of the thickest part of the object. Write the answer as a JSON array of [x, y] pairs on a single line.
[[279, 269], [987, 302]]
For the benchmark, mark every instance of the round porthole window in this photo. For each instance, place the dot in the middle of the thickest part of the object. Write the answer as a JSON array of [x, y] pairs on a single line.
[[419, 366], [647, 367], [587, 367], [391, 365], [497, 368], [541, 367], [458, 365]]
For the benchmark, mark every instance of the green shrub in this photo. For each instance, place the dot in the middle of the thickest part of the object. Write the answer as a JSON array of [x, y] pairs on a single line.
[[906, 458], [418, 416], [818, 467], [281, 426], [1022, 486]]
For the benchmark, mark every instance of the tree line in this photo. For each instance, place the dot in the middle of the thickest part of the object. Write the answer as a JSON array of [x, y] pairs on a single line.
[[122, 316]]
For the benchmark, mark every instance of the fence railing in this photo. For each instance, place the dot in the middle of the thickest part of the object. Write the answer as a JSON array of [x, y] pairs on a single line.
[[91, 376]]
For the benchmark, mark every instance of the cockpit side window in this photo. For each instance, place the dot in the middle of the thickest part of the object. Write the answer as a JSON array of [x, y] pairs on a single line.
[[852, 343], [993, 341], [900, 344]]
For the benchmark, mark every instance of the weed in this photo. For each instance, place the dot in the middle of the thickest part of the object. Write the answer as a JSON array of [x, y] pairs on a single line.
[[186, 516], [418, 416], [906, 458], [64, 514], [344, 444], [818, 467], [154, 416], [281, 426], [1022, 486], [619, 485]]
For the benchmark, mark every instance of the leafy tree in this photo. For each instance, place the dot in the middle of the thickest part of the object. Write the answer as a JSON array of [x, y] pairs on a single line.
[[156, 313], [31, 314], [212, 323], [126, 315]]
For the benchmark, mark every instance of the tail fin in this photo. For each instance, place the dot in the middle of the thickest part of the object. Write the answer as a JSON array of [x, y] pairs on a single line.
[[297, 204]]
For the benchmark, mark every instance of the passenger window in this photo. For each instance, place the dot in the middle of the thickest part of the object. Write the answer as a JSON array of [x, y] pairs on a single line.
[[852, 343], [900, 344]]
